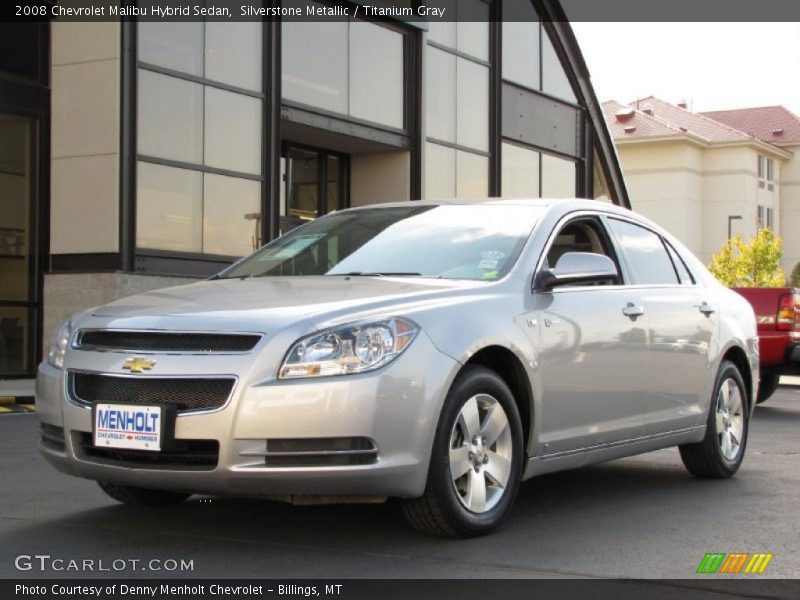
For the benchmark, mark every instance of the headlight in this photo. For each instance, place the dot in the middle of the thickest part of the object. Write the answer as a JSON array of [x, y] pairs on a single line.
[[59, 346], [348, 349]]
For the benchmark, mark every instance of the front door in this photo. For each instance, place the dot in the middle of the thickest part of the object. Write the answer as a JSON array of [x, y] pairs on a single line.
[[19, 275], [593, 355]]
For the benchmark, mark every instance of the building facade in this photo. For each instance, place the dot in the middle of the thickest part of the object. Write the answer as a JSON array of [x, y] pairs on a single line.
[[706, 176], [167, 150]]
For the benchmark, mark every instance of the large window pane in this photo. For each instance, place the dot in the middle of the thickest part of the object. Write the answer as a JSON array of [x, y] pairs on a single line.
[[170, 123], [558, 177], [443, 31], [17, 335], [472, 28], [472, 115], [440, 172], [16, 150], [521, 53], [519, 172], [169, 207], [303, 190], [376, 74], [554, 79], [233, 131], [440, 89], [233, 53], [231, 215], [472, 175], [174, 45], [314, 63]]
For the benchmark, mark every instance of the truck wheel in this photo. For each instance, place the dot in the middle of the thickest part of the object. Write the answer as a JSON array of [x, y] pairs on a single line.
[[769, 383], [476, 463], [141, 496], [721, 452]]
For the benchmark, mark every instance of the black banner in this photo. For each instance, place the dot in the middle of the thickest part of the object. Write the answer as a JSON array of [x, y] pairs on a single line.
[[416, 11], [440, 589]]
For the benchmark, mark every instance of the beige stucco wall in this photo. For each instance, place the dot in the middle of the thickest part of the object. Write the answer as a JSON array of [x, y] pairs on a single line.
[[665, 184], [691, 190], [380, 177], [790, 209], [84, 198]]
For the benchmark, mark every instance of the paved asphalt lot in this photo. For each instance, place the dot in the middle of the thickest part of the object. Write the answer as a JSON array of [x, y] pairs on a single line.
[[637, 517]]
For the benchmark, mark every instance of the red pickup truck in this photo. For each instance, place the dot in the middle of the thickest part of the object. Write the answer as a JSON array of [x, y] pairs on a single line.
[[778, 317]]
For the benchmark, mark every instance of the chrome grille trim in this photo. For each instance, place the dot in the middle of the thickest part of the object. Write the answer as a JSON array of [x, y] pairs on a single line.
[[159, 341], [74, 396]]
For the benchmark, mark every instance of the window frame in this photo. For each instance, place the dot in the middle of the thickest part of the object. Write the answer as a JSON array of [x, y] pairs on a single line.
[[598, 218], [631, 275]]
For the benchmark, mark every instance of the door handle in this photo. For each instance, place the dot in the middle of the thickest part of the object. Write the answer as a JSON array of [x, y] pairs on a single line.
[[631, 310], [707, 309]]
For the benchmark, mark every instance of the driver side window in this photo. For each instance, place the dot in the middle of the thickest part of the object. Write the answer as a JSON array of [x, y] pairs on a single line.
[[581, 235]]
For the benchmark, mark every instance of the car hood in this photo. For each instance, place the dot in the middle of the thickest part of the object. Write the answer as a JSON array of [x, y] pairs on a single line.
[[277, 297]]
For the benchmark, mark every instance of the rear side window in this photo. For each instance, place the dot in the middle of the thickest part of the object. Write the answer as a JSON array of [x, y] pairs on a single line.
[[683, 273], [645, 252]]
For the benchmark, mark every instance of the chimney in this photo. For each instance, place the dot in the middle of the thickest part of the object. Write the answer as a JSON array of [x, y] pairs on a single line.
[[647, 109], [683, 104]]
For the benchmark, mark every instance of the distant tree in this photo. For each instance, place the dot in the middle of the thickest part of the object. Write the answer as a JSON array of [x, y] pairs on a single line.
[[794, 281], [750, 264]]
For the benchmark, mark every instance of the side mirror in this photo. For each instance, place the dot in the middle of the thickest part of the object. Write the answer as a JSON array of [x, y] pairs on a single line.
[[576, 268]]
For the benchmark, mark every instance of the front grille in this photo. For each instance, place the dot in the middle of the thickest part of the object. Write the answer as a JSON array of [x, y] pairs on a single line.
[[53, 437], [183, 393], [318, 452], [161, 341], [201, 455]]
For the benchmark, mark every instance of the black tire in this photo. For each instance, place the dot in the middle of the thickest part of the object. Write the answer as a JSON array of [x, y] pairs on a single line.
[[705, 459], [769, 383], [141, 496], [439, 511]]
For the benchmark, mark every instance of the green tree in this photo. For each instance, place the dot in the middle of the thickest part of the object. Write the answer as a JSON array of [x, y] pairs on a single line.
[[750, 264], [794, 281]]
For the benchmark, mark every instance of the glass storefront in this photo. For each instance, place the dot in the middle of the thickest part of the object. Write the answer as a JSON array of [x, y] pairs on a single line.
[[18, 252]]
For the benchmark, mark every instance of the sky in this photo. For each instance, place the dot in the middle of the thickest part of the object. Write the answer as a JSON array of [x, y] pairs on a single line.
[[714, 66]]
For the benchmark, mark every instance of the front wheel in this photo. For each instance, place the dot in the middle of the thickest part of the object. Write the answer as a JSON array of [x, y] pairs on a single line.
[[721, 452], [476, 462]]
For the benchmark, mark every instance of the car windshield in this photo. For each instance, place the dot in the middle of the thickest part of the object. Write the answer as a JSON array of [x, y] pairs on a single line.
[[450, 241]]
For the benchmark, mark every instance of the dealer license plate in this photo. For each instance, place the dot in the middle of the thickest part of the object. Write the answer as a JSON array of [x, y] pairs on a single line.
[[127, 426]]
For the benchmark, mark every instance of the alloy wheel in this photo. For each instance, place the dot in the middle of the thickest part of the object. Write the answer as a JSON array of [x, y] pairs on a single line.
[[481, 450], [730, 419]]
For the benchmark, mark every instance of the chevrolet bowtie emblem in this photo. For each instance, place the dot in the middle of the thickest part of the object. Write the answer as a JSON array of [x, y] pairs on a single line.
[[138, 365]]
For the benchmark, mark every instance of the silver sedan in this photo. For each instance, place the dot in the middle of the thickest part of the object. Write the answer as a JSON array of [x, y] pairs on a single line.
[[439, 352]]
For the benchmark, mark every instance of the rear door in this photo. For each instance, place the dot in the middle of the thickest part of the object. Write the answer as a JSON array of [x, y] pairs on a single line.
[[681, 321]]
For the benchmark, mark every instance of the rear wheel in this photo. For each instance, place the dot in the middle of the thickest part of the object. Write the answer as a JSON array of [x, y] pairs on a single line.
[[721, 452], [141, 496], [476, 461], [769, 383]]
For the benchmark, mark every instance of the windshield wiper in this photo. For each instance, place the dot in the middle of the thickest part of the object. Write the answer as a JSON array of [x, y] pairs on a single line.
[[381, 274]]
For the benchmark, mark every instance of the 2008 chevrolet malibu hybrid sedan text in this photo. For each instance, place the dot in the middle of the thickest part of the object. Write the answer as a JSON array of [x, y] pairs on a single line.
[[435, 352]]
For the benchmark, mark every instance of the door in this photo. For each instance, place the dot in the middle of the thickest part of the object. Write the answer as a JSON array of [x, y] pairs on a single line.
[[593, 354], [19, 275], [681, 323], [314, 184]]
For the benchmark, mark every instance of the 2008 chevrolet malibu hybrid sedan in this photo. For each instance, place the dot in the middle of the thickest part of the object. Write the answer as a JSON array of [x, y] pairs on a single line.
[[439, 353]]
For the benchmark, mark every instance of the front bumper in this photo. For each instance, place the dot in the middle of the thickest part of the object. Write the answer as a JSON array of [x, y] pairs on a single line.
[[396, 407]]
